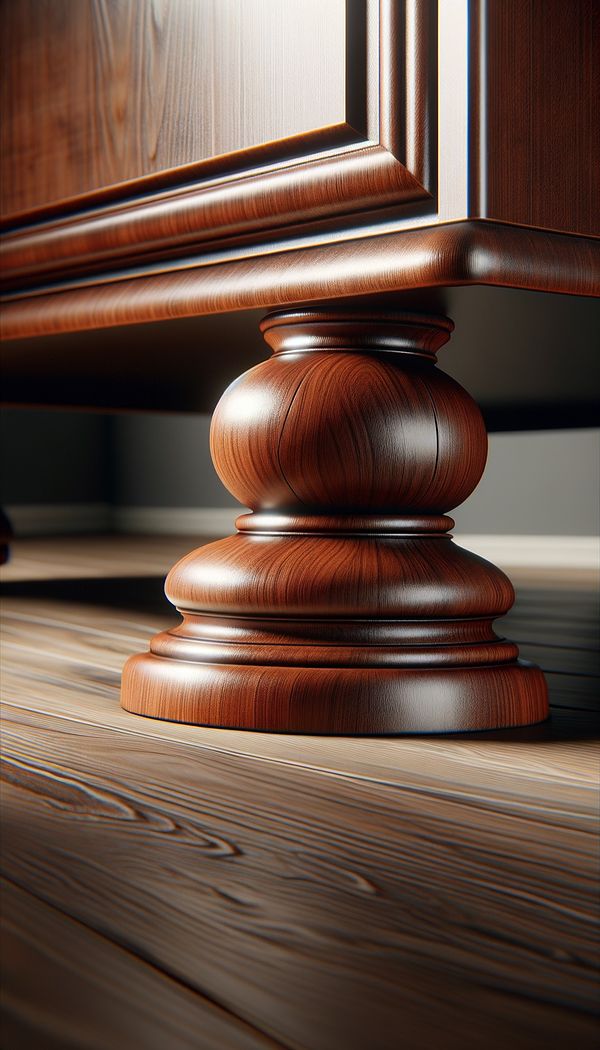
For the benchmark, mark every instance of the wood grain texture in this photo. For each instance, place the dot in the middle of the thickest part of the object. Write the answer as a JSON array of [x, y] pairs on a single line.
[[390, 84], [459, 253], [514, 124], [97, 94], [320, 615], [429, 137], [365, 178], [540, 136], [72, 1003], [262, 890]]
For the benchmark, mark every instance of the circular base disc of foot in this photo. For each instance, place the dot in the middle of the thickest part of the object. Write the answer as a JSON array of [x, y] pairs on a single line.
[[333, 700]]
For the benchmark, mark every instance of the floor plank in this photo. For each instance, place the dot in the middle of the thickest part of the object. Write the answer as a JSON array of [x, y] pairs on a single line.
[[217, 889], [259, 882], [117, 999]]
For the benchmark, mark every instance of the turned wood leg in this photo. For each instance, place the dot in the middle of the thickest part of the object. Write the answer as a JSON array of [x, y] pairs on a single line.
[[342, 605]]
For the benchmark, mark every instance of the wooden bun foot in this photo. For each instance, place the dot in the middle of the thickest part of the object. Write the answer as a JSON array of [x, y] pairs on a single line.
[[345, 701], [342, 604]]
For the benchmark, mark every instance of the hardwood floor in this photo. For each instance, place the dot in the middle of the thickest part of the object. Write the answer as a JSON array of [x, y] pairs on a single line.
[[170, 886]]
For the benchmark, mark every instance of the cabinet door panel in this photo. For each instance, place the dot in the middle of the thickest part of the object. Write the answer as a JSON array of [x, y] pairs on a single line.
[[98, 92], [345, 92]]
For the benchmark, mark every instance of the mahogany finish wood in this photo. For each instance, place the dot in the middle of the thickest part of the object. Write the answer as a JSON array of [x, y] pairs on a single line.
[[97, 94], [540, 133], [359, 163], [457, 254], [417, 158], [341, 606], [511, 140]]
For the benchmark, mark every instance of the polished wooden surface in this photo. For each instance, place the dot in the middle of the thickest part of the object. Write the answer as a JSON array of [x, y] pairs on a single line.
[[386, 72], [460, 253], [98, 94], [540, 144], [453, 113], [177, 886], [341, 605]]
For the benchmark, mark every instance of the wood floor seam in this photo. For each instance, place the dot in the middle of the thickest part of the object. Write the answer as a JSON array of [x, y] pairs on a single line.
[[126, 946]]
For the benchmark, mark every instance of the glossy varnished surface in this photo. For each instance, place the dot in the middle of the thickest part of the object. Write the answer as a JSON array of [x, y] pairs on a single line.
[[376, 148], [97, 94], [340, 604], [276, 891], [540, 144], [511, 139], [460, 253], [416, 115]]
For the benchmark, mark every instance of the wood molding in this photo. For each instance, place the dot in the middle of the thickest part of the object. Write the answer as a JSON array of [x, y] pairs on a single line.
[[457, 253], [393, 86]]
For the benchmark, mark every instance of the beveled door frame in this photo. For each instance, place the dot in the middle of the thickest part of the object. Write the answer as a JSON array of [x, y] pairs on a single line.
[[384, 154]]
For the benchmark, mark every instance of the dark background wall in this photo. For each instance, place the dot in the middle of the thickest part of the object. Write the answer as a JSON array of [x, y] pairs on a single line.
[[55, 457]]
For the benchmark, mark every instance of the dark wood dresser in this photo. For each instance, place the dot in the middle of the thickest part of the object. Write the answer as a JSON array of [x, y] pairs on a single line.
[[344, 166], [347, 182]]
